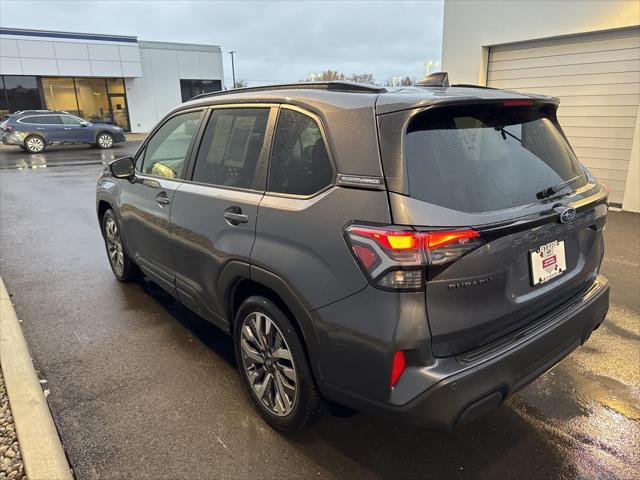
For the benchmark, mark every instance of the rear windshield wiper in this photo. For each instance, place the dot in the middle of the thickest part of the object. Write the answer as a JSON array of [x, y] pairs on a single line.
[[504, 134], [547, 192]]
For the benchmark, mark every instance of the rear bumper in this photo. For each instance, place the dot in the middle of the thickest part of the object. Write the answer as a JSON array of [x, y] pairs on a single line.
[[460, 389]]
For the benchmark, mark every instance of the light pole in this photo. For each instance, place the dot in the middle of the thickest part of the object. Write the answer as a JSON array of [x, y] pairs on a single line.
[[233, 68], [429, 64]]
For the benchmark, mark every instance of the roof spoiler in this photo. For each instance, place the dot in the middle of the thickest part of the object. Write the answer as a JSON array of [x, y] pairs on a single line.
[[438, 79]]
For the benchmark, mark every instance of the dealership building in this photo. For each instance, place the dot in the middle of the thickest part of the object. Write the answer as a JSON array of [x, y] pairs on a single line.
[[586, 52], [103, 78]]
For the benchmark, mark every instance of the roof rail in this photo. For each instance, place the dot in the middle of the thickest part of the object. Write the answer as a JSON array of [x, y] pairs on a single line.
[[334, 86], [470, 85]]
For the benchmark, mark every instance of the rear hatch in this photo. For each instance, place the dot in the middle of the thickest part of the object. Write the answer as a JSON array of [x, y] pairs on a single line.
[[502, 169]]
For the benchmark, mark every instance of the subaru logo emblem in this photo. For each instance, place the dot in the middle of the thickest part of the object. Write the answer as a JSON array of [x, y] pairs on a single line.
[[567, 214]]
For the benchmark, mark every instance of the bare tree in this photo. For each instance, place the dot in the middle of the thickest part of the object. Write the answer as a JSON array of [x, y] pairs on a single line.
[[329, 75], [326, 76], [399, 81], [361, 77]]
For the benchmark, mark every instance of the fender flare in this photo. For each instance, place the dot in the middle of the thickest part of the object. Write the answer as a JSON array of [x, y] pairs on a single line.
[[236, 271]]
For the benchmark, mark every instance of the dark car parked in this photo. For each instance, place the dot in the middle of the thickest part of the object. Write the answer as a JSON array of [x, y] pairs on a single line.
[[34, 130], [421, 252]]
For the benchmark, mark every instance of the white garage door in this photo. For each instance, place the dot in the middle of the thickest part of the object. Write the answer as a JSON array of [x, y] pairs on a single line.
[[597, 78]]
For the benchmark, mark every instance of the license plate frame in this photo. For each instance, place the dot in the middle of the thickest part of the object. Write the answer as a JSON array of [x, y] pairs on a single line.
[[547, 262]]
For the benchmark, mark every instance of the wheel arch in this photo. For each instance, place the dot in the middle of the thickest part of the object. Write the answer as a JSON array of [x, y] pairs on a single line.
[[100, 132], [102, 208], [240, 281]]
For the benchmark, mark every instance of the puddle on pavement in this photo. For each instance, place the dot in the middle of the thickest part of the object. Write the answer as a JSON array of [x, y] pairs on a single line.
[[609, 393]]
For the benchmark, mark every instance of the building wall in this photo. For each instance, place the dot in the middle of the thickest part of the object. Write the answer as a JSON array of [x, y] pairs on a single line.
[[471, 27], [157, 91], [25, 52]]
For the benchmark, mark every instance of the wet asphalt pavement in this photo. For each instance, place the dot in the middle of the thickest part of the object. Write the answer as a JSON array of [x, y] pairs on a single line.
[[142, 388], [13, 157]]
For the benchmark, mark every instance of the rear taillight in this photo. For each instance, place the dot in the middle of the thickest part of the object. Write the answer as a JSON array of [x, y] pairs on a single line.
[[397, 367], [7, 128], [396, 259]]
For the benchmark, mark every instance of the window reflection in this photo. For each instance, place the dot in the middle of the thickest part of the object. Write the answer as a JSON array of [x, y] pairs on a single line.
[[21, 93], [191, 88], [93, 101], [60, 94], [97, 100]]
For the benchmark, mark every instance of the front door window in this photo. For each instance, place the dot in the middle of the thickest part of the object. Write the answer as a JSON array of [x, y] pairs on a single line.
[[167, 150]]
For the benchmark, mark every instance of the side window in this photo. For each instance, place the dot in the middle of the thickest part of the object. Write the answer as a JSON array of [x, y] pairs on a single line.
[[50, 120], [30, 120], [139, 160], [166, 151], [299, 161], [69, 120], [231, 147]]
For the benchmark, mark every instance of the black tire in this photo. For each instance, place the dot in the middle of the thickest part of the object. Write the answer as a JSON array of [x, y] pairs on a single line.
[[104, 140], [308, 406], [35, 144], [123, 268]]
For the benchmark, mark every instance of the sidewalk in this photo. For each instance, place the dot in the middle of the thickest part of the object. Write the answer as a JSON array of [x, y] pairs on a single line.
[[39, 454]]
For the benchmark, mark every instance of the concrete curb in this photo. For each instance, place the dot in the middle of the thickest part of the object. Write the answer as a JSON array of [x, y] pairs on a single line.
[[42, 453]]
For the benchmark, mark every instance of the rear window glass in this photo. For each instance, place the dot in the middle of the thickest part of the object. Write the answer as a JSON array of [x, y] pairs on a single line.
[[478, 159]]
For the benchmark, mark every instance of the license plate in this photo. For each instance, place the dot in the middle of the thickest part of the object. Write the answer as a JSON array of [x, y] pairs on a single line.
[[547, 262]]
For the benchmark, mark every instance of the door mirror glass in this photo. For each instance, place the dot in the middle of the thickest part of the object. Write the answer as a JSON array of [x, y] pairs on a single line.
[[122, 168]]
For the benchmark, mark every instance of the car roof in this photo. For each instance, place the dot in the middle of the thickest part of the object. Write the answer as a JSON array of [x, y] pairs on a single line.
[[342, 94], [23, 113]]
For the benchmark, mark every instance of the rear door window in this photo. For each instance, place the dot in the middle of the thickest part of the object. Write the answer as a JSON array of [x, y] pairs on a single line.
[[300, 163], [231, 147], [49, 120], [478, 159]]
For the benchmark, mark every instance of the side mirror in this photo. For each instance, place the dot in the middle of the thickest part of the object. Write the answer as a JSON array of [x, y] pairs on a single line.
[[85, 124], [123, 168]]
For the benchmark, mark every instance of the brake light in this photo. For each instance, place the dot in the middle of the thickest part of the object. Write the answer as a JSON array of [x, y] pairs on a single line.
[[396, 259], [517, 103], [7, 128], [393, 240], [397, 367]]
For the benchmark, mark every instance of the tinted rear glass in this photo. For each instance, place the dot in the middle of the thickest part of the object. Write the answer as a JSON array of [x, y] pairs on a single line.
[[478, 159]]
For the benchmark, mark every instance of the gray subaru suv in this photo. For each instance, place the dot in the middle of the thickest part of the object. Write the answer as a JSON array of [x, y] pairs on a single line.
[[420, 253]]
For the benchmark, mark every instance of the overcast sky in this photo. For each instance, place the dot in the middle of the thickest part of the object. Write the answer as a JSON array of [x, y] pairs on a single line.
[[275, 41]]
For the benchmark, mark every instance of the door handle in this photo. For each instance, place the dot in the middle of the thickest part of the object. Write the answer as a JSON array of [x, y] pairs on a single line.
[[67, 128], [162, 199], [234, 216]]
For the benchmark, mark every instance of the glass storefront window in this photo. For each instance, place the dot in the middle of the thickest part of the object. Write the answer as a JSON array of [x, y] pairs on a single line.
[[93, 100], [191, 88], [97, 100], [115, 85], [4, 103], [21, 93], [60, 94]]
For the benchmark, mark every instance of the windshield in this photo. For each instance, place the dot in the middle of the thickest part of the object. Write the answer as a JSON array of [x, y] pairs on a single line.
[[478, 159]]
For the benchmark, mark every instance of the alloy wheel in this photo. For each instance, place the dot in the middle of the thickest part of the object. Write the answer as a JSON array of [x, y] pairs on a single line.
[[268, 364], [114, 245], [35, 144], [105, 141]]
